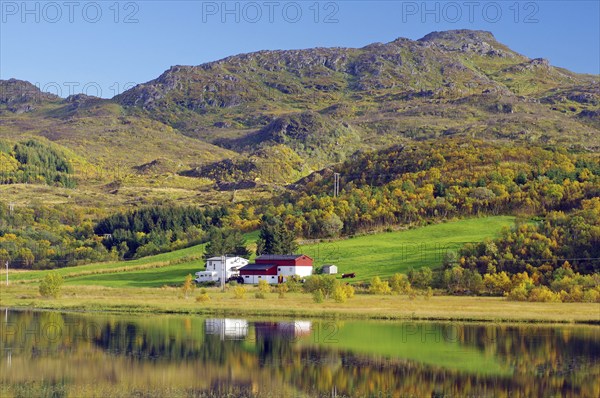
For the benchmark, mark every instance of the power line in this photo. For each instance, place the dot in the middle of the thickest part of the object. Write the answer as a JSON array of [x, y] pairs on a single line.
[[336, 184]]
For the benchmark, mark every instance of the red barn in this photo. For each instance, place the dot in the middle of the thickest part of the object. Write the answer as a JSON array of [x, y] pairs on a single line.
[[275, 268]]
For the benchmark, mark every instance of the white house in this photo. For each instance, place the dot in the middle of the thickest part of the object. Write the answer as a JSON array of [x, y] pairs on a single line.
[[214, 269]]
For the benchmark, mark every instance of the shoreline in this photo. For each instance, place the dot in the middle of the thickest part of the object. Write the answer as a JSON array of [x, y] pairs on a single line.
[[328, 316], [87, 299]]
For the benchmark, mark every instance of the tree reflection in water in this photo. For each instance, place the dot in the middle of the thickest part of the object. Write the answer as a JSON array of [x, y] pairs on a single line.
[[46, 353]]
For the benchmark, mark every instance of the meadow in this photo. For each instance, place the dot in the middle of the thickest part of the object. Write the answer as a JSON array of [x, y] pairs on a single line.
[[381, 254], [171, 300]]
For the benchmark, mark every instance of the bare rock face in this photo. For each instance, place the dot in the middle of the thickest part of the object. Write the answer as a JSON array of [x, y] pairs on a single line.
[[268, 95], [247, 78], [18, 96], [469, 41]]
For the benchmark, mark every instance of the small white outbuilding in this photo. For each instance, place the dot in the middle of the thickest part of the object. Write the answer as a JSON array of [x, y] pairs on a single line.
[[329, 270]]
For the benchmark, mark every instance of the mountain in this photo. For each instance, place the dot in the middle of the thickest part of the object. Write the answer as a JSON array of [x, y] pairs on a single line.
[[445, 83], [301, 110]]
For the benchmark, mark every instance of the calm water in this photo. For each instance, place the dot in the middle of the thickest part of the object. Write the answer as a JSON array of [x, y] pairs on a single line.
[[72, 355]]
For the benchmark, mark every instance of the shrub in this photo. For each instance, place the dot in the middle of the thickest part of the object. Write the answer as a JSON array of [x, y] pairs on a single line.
[[377, 286], [399, 283], [497, 284], [520, 278], [203, 297], [282, 289], [473, 281], [429, 293], [421, 278], [263, 287], [51, 285], [349, 289], [339, 294], [450, 258], [260, 295], [543, 294], [576, 294], [592, 296], [519, 293], [453, 279], [239, 292], [412, 293], [318, 296], [325, 283], [312, 284], [293, 284]]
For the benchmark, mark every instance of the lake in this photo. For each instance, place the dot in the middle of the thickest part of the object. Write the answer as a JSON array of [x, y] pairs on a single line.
[[52, 354]]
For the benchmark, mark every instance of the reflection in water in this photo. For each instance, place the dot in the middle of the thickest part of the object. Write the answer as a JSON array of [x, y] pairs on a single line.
[[227, 329], [54, 354]]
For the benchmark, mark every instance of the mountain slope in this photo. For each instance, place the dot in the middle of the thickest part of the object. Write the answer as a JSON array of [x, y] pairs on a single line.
[[323, 104]]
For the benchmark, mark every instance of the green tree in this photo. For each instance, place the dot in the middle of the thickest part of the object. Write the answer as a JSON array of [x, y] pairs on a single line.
[[421, 278], [225, 241], [51, 285], [332, 225], [275, 238], [399, 283]]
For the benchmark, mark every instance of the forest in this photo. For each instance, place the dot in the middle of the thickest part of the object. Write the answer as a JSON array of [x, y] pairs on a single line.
[[553, 191], [34, 162]]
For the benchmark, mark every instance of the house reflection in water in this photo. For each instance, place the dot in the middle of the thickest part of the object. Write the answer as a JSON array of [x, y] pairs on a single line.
[[227, 329], [285, 329], [239, 329]]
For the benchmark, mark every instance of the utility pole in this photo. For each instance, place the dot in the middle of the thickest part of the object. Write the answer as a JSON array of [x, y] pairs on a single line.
[[336, 184], [223, 260]]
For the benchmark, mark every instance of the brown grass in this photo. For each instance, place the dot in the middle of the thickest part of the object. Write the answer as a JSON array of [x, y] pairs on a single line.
[[169, 300]]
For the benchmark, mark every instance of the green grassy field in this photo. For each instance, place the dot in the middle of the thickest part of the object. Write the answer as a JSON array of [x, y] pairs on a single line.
[[380, 254], [384, 254], [164, 260]]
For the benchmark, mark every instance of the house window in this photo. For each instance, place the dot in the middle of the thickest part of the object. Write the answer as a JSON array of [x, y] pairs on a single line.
[[291, 269], [246, 277]]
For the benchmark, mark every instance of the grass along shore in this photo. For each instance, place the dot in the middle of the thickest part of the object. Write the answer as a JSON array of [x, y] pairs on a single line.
[[362, 306]]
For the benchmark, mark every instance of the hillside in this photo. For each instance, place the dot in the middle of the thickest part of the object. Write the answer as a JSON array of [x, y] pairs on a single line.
[[453, 125], [457, 82], [314, 106], [380, 254]]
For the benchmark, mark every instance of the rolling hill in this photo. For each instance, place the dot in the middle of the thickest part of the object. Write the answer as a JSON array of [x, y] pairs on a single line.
[[452, 125], [317, 106]]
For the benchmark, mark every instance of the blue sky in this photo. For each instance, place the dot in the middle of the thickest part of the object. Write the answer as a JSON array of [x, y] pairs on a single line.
[[103, 47]]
